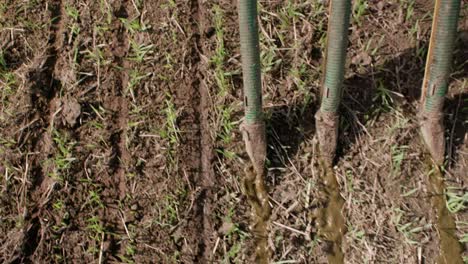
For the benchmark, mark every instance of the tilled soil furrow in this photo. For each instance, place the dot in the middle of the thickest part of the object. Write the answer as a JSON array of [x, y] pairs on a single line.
[[119, 105], [115, 101], [43, 88], [207, 180], [209, 185], [191, 121]]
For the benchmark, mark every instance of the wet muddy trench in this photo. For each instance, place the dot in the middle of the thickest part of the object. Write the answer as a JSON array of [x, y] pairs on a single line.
[[329, 219], [330, 222], [450, 249], [257, 196]]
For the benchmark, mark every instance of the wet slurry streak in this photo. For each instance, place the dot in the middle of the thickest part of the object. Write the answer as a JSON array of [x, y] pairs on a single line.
[[330, 220], [43, 89], [449, 246], [257, 196]]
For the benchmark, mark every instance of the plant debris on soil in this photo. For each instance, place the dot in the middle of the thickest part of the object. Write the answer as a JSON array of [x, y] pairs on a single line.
[[120, 138]]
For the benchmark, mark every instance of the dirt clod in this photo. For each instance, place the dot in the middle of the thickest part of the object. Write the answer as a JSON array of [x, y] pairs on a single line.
[[71, 110]]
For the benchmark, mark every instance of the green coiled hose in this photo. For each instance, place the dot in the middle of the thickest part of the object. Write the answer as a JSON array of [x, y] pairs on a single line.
[[337, 41], [440, 55], [250, 52]]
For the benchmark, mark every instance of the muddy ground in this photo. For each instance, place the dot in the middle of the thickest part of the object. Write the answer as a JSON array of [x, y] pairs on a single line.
[[120, 143]]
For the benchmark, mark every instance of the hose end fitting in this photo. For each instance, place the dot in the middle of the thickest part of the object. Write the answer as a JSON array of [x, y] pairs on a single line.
[[255, 144], [326, 124], [432, 131]]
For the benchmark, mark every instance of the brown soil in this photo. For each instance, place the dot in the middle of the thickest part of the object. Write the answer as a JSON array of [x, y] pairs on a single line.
[[119, 145]]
